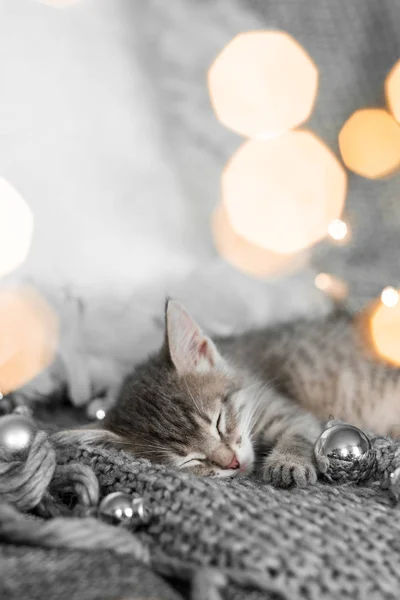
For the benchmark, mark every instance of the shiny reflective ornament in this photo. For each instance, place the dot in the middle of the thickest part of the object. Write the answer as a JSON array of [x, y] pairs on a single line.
[[140, 511], [394, 485], [343, 442], [16, 433], [119, 507]]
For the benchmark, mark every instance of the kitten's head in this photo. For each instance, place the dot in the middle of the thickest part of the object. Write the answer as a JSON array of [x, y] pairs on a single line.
[[186, 407]]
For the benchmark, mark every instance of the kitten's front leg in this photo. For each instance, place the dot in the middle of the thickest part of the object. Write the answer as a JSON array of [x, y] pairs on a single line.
[[292, 434]]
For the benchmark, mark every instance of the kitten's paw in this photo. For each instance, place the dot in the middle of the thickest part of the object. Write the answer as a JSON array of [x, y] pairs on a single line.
[[287, 470]]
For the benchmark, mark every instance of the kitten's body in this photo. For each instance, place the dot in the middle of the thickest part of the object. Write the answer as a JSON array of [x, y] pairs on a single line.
[[326, 367], [259, 398]]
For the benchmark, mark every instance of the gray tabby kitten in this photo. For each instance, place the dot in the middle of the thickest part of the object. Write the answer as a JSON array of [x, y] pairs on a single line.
[[257, 400]]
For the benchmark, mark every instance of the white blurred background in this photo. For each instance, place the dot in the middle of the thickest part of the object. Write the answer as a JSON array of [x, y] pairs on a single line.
[[107, 132]]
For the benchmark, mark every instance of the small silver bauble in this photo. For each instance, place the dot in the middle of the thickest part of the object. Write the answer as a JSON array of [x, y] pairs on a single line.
[[119, 507], [141, 510], [343, 442], [394, 484], [16, 433]]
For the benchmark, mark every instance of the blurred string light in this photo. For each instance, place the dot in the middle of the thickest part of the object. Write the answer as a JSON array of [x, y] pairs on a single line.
[[100, 414], [248, 257], [331, 285], [369, 143], [384, 325], [263, 84], [392, 91], [282, 194], [29, 335], [390, 297], [16, 228], [338, 230]]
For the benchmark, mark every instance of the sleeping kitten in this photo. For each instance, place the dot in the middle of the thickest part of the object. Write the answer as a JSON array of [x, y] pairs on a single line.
[[220, 409]]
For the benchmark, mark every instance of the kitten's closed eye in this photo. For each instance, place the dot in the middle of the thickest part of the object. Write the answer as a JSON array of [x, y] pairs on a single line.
[[218, 424], [191, 460]]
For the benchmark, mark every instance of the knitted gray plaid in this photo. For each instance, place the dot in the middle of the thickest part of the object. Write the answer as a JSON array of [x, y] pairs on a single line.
[[323, 541], [210, 539]]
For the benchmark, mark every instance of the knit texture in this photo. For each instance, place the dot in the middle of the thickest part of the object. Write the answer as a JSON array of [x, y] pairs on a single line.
[[322, 541], [211, 539]]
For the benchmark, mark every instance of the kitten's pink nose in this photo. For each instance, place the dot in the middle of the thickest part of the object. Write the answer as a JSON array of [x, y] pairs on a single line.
[[234, 464]]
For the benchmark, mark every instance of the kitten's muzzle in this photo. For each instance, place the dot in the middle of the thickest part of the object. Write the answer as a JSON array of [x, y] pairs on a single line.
[[234, 464]]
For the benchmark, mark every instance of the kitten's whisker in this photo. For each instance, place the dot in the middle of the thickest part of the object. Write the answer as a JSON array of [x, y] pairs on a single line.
[[151, 449], [191, 396]]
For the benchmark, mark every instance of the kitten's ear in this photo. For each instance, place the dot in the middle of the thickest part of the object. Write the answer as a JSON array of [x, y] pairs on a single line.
[[188, 347]]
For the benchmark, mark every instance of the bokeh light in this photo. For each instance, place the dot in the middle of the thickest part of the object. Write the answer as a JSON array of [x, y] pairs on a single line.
[[385, 326], [282, 194], [100, 414], [369, 142], [16, 228], [263, 84], [390, 297], [247, 257], [392, 91], [331, 285], [29, 334], [338, 230]]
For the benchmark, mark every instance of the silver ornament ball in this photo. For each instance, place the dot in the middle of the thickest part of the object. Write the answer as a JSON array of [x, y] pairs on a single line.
[[119, 507], [16, 433], [141, 510], [344, 442]]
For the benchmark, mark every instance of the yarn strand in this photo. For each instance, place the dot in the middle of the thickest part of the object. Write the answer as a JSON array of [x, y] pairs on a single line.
[[68, 532]]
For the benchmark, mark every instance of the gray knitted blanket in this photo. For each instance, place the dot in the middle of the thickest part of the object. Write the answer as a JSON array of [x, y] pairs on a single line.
[[215, 539]]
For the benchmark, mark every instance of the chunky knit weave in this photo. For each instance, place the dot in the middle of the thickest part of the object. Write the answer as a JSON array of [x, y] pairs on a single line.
[[216, 538], [323, 541]]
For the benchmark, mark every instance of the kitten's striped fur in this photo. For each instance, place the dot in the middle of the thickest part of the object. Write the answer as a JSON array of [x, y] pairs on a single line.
[[258, 399]]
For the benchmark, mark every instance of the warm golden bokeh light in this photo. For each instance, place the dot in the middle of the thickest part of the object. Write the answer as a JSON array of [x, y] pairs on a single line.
[[29, 334], [390, 297], [281, 194], [392, 91], [16, 228], [385, 328], [331, 285], [247, 257], [370, 143], [263, 84]]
